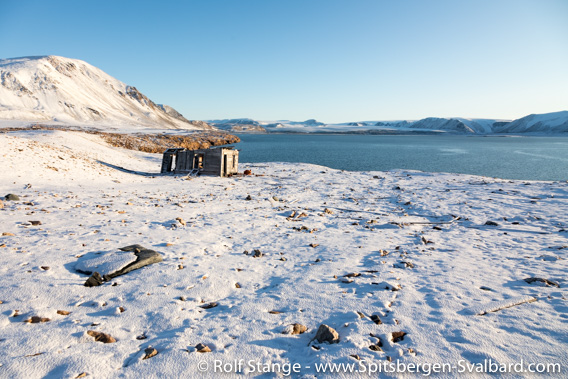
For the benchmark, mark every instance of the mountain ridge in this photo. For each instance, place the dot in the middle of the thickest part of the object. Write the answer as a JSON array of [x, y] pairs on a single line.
[[52, 88]]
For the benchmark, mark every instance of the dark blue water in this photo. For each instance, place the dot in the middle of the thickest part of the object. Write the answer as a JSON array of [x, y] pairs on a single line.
[[527, 158]]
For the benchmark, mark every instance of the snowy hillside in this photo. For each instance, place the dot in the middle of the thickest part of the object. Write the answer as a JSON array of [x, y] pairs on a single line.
[[407, 268], [556, 122], [51, 88]]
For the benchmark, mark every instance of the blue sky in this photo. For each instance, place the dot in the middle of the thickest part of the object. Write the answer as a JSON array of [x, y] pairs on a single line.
[[335, 61]]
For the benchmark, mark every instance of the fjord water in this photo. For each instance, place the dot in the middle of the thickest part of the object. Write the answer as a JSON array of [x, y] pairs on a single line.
[[507, 157]]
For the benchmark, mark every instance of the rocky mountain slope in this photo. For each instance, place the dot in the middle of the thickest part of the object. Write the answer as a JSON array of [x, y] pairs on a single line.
[[58, 89]]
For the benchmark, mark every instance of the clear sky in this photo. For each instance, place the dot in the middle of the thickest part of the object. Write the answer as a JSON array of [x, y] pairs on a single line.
[[332, 60]]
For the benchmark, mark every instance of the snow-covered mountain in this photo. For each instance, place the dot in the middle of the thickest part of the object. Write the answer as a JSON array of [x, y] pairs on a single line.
[[52, 88], [556, 122]]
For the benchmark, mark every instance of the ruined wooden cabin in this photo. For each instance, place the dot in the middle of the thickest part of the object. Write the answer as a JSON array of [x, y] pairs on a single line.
[[219, 161]]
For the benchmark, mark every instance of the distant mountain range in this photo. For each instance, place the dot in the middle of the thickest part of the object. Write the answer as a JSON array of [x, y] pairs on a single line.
[[548, 123], [57, 89]]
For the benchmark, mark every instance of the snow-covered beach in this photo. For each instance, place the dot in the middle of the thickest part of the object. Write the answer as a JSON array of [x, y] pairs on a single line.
[[367, 253]]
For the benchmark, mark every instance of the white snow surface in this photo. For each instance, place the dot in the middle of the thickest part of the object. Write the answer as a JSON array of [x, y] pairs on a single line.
[[70, 91], [72, 183]]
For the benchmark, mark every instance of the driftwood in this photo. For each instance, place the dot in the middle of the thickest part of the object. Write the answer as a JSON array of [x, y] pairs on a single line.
[[499, 305]]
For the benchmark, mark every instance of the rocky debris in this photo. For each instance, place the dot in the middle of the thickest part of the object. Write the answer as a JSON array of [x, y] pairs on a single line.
[[295, 329], [375, 348], [357, 357], [248, 198], [202, 348], [484, 288], [149, 353], [247, 172], [403, 264], [101, 337], [7, 234], [542, 281], [388, 286], [12, 197], [1, 204], [141, 337], [257, 253], [383, 253], [35, 223], [352, 275], [45, 268], [425, 241], [397, 336], [94, 280], [491, 223], [144, 257], [314, 244], [327, 334], [63, 313], [181, 221], [37, 320], [376, 319], [237, 285], [273, 312], [328, 211], [209, 305]]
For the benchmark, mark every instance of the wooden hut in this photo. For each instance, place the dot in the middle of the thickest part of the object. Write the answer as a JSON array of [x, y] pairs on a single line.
[[219, 161]]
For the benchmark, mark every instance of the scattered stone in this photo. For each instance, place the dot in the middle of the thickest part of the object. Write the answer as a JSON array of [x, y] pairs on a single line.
[[361, 314], [375, 348], [248, 197], [542, 281], [295, 329], [491, 223], [81, 375], [326, 334], [209, 305], [283, 259], [144, 257], [376, 319], [328, 211], [101, 337], [425, 241], [237, 285], [355, 356], [314, 244], [317, 260], [352, 275], [121, 309], [149, 353], [202, 348], [397, 336], [274, 312], [403, 264], [182, 298], [181, 221], [63, 313], [257, 253], [141, 337], [383, 253], [12, 197], [247, 172], [436, 227], [45, 268], [37, 320], [484, 288], [7, 234], [275, 198], [379, 341], [94, 280], [180, 267], [35, 223]]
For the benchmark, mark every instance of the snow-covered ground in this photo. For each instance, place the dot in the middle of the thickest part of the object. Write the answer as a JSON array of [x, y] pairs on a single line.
[[313, 226]]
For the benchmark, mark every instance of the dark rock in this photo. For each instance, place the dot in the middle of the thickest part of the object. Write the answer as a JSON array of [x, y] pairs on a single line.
[[149, 353], [327, 334], [35, 223], [375, 348], [101, 337], [63, 313], [209, 305], [202, 348], [37, 319], [491, 223], [94, 280], [397, 336], [257, 253], [295, 329], [247, 172], [376, 319], [546, 282], [352, 275], [12, 197], [248, 197]]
